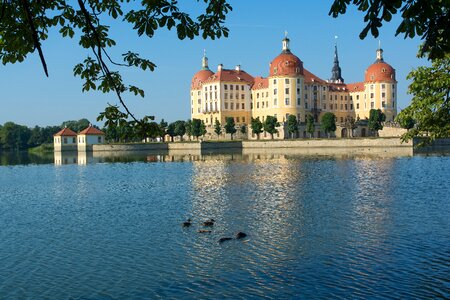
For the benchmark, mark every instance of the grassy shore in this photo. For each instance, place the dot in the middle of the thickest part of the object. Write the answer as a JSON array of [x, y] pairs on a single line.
[[44, 148]]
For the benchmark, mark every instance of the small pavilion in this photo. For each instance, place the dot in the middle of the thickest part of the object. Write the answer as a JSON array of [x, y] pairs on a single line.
[[88, 137], [65, 140]]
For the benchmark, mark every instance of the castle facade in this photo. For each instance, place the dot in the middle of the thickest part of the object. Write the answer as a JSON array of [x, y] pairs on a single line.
[[290, 89]]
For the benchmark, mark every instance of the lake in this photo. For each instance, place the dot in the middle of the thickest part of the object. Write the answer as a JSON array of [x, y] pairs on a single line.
[[318, 226]]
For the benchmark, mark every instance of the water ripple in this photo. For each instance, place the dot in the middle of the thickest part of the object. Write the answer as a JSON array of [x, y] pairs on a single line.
[[317, 228]]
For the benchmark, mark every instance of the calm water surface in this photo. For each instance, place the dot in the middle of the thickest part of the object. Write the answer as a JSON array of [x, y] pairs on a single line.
[[327, 227]]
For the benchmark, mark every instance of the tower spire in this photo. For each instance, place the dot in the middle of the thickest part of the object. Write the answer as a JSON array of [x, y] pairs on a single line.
[[204, 61], [285, 43], [336, 76], [379, 52]]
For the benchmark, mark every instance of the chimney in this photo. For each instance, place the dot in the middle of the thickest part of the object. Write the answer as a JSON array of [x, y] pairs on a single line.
[[238, 68], [219, 67]]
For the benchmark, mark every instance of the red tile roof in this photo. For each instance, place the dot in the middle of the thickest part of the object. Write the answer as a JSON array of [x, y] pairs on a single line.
[[310, 77], [286, 64], [199, 78], [338, 87], [92, 131], [260, 83], [380, 71], [355, 87], [65, 132], [231, 76]]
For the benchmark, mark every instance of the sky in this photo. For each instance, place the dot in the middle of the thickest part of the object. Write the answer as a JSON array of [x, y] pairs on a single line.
[[29, 98]]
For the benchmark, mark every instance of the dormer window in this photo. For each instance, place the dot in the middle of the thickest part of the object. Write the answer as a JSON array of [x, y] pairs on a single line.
[[275, 70], [372, 77], [383, 70]]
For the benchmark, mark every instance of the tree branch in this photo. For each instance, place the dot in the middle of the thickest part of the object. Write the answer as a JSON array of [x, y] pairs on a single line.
[[98, 54], [34, 35]]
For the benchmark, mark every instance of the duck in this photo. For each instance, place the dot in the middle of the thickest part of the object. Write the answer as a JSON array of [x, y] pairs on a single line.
[[223, 239], [240, 235], [204, 231], [209, 222], [187, 223]]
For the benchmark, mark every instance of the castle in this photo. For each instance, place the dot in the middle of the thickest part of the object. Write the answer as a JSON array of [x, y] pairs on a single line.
[[290, 89]]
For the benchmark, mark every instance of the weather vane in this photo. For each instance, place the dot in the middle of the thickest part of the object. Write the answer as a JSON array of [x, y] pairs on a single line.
[[285, 33]]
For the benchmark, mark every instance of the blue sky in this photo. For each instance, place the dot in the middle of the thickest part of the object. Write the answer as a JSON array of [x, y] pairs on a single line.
[[256, 30]]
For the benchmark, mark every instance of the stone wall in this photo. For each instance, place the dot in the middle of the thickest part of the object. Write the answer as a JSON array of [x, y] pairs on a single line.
[[391, 131], [328, 143], [130, 147]]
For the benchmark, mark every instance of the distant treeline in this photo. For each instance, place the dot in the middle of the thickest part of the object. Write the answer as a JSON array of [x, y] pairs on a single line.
[[19, 137]]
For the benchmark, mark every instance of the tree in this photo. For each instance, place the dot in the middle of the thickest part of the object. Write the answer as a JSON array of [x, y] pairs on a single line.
[[26, 24], [115, 120], [406, 122], [217, 128], [162, 129], [328, 123], [230, 126], [376, 117], [270, 125], [310, 125], [180, 129], [76, 126], [15, 136], [203, 128], [257, 127], [189, 128], [292, 125], [430, 105], [429, 19], [243, 129], [196, 127], [171, 131], [145, 129]]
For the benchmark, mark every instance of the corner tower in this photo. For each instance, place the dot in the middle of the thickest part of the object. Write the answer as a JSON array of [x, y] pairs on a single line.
[[196, 87], [381, 87]]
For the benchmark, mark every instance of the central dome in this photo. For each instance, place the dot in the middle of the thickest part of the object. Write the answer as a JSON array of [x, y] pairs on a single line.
[[380, 70], [286, 64]]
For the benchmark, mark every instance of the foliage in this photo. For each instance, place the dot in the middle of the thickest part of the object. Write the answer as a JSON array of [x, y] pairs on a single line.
[[257, 127], [406, 122], [328, 123], [217, 128], [180, 128], [144, 128], [270, 125], [189, 128], [230, 126], [429, 19], [14, 136], [162, 129], [430, 105], [310, 125], [116, 123], [26, 24], [203, 128], [376, 117], [198, 128], [243, 129], [76, 126], [171, 131], [292, 125]]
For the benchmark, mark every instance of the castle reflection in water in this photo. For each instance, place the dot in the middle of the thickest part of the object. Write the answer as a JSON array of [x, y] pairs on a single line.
[[83, 158]]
